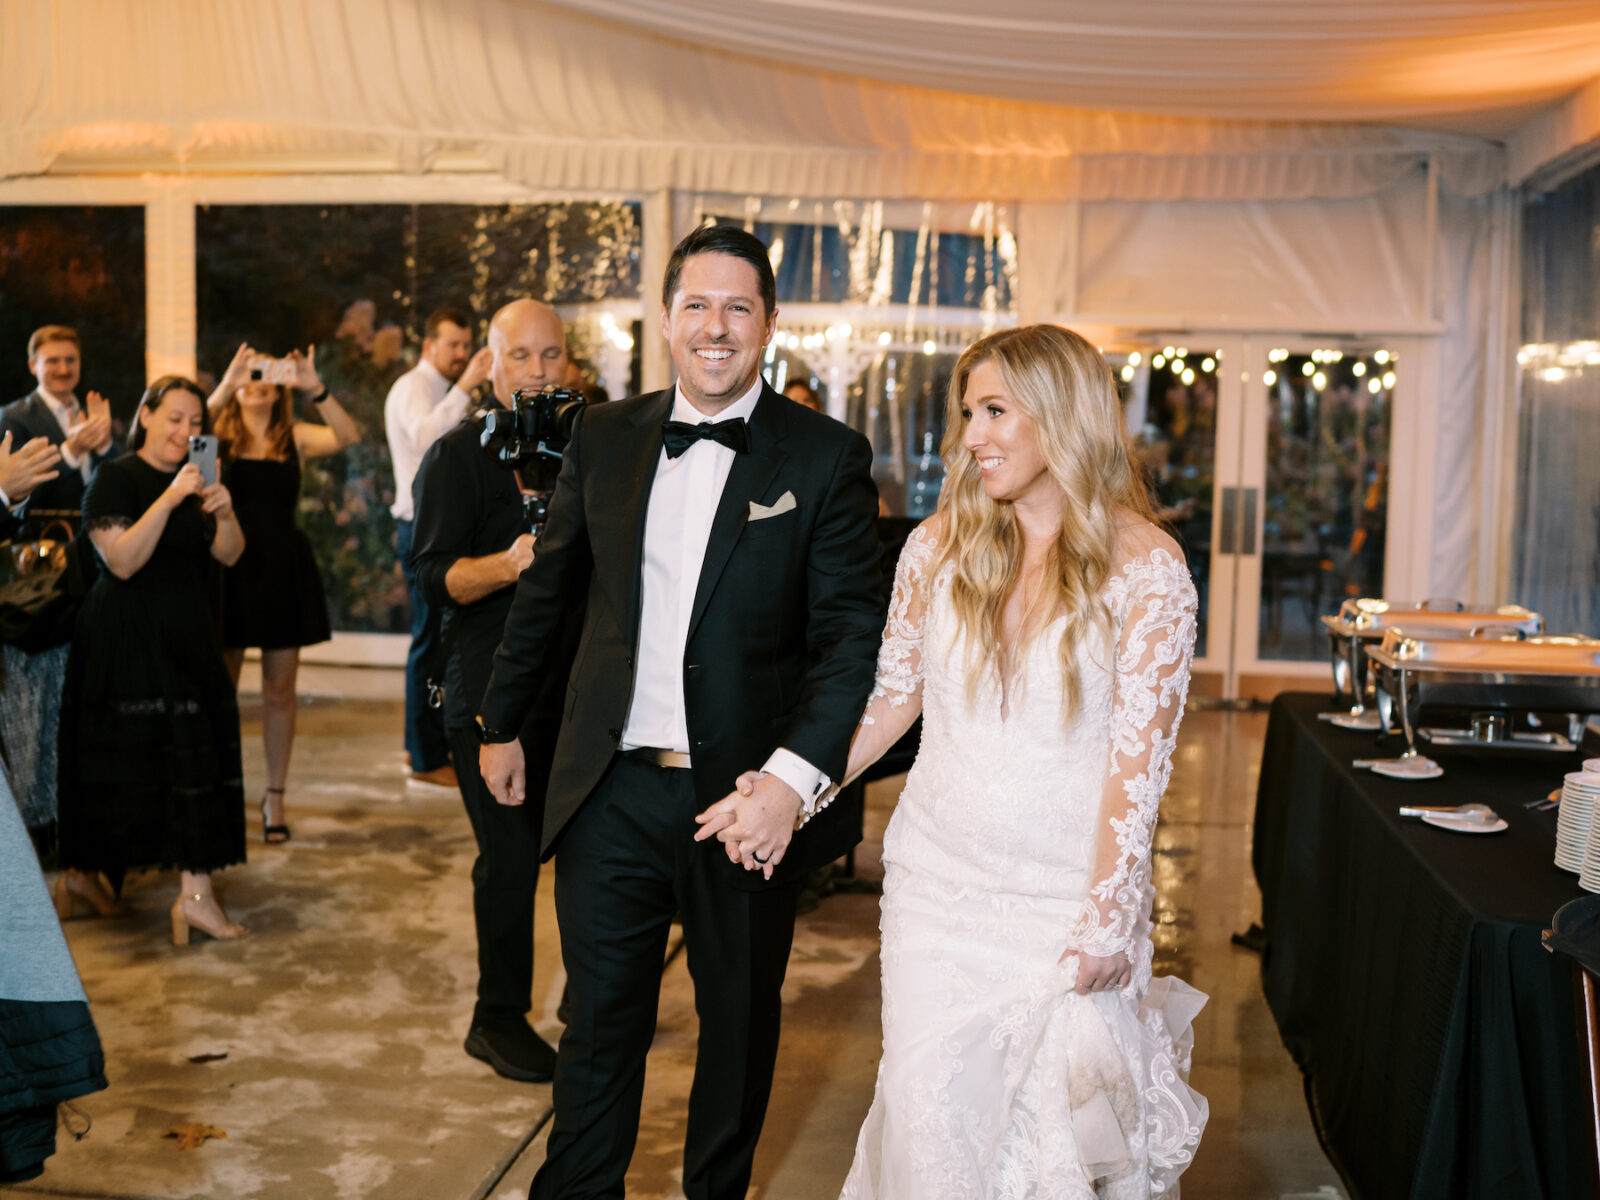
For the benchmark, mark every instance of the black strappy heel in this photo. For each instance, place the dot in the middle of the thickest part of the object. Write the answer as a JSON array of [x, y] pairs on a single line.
[[272, 835]]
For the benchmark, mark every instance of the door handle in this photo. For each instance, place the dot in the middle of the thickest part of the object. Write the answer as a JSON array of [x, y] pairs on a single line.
[[1247, 522], [1229, 540]]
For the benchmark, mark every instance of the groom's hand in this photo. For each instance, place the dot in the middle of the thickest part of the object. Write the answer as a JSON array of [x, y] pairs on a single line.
[[754, 822], [502, 767]]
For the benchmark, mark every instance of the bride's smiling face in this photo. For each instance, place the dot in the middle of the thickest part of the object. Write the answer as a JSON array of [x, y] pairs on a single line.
[[1003, 439]]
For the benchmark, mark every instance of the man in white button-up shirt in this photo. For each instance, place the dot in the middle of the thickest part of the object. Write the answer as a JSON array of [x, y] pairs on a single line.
[[732, 620], [423, 405]]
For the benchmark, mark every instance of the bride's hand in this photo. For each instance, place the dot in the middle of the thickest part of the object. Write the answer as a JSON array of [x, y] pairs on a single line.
[[1100, 974]]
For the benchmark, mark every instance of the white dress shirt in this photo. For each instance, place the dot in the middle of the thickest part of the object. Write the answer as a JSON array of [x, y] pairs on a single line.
[[422, 407], [677, 526]]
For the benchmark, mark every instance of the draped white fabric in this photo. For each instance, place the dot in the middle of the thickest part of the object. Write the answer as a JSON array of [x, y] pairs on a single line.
[[561, 99], [1460, 65]]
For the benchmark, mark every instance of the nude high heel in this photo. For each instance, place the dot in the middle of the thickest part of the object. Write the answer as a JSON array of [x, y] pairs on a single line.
[[183, 921], [71, 887]]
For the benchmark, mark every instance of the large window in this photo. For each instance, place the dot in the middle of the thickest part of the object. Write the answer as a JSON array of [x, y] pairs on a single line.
[[1557, 553], [82, 267], [358, 281]]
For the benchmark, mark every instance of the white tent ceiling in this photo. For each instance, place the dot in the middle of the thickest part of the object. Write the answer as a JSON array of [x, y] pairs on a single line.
[[1028, 99], [1477, 67]]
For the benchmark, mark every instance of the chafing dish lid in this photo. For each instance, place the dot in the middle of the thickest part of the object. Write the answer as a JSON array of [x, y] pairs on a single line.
[[1570, 655]]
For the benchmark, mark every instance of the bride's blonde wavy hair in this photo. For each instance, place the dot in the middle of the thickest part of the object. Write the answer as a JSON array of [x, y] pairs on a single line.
[[1066, 389]]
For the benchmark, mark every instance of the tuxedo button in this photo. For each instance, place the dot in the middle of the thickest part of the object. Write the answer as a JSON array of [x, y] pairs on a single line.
[[614, 734]]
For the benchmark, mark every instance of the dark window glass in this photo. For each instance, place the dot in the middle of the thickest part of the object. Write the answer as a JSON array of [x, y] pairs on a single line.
[[82, 267], [359, 281]]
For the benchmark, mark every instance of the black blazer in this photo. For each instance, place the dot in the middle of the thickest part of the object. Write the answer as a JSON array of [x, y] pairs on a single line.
[[29, 418], [783, 636]]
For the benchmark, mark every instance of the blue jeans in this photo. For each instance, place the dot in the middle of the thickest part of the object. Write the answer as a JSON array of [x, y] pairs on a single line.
[[425, 736]]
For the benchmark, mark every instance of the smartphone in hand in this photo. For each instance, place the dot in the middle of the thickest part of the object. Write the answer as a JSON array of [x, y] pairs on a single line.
[[203, 454]]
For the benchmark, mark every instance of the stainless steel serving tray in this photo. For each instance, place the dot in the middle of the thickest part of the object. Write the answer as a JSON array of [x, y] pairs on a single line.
[[1501, 659], [1370, 619]]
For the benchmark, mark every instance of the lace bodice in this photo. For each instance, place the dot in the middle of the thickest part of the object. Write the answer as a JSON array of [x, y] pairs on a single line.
[[1060, 809]]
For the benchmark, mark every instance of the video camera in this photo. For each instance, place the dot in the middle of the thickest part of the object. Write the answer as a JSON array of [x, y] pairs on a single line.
[[530, 438]]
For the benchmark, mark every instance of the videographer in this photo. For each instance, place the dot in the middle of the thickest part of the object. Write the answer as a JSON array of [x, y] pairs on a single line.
[[473, 539]]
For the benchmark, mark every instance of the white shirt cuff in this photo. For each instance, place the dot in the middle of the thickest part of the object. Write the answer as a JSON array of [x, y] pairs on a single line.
[[808, 782], [5, 499], [71, 459]]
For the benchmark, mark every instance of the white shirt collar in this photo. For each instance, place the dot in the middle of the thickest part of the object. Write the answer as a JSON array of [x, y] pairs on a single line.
[[56, 406], [741, 408], [427, 368]]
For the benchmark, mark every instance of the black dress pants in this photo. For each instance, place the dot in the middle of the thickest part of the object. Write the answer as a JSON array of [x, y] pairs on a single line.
[[505, 873], [625, 864]]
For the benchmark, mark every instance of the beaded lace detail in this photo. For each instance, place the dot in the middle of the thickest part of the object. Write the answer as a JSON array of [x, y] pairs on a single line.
[[1021, 836]]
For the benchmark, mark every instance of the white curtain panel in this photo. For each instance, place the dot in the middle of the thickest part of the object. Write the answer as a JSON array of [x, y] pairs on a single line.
[[558, 98]]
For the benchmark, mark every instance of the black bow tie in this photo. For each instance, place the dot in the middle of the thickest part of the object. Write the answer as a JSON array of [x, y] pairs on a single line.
[[678, 436]]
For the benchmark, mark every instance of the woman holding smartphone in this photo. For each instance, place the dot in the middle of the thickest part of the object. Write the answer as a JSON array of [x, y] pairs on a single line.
[[150, 766], [272, 597]]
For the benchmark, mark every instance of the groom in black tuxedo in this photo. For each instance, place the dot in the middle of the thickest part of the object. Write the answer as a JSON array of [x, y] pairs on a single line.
[[732, 623]]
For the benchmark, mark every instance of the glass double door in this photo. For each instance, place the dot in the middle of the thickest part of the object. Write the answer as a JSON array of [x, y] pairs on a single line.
[[1270, 458]]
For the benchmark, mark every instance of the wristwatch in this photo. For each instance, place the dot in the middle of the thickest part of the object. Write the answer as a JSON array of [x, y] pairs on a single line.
[[491, 737]]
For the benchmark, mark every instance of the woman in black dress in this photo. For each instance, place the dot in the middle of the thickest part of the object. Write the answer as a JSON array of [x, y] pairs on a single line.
[[272, 597], [150, 768]]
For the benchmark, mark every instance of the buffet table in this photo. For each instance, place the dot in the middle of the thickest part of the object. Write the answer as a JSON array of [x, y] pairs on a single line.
[[1403, 966]]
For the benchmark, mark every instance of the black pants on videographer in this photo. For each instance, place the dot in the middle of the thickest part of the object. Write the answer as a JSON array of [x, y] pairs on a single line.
[[505, 875]]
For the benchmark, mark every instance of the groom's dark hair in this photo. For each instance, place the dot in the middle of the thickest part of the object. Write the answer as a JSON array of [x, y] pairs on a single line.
[[729, 240]]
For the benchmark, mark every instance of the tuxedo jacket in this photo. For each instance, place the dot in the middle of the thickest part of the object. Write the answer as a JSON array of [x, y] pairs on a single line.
[[29, 418], [784, 631]]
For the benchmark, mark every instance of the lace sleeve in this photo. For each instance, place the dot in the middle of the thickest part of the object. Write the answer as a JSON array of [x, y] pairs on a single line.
[[896, 697], [1154, 602]]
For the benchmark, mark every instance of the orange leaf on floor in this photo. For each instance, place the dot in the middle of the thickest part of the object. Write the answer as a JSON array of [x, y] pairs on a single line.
[[193, 1134]]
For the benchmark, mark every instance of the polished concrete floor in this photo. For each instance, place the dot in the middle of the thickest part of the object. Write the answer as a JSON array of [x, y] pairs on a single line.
[[327, 1045]]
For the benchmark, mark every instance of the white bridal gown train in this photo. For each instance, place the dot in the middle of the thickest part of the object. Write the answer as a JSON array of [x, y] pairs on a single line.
[[1016, 837]]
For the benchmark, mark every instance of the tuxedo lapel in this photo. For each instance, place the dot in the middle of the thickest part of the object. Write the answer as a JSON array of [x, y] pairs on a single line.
[[747, 480], [41, 421], [618, 523]]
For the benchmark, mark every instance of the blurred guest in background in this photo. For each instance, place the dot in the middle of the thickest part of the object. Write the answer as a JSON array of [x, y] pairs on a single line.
[[150, 766], [425, 403], [803, 393], [272, 598], [52, 411], [473, 541]]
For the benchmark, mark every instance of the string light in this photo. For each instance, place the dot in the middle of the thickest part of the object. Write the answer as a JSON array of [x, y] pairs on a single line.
[[1374, 385], [1179, 366], [884, 339], [1359, 369], [1159, 361], [1319, 381], [1133, 359], [1127, 373], [1208, 365], [1388, 379], [1307, 369], [1381, 357], [1188, 375], [1183, 352], [929, 346], [1270, 378]]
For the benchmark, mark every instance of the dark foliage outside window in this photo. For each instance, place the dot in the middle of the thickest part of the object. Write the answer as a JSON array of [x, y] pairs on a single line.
[[77, 266], [358, 281]]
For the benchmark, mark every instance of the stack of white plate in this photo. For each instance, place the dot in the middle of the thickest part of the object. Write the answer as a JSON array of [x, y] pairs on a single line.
[[1579, 795]]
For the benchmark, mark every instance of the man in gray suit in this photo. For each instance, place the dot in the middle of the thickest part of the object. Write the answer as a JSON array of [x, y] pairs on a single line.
[[52, 411]]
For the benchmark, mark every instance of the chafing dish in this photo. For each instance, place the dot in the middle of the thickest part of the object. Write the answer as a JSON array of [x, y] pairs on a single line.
[[1363, 623], [1495, 676]]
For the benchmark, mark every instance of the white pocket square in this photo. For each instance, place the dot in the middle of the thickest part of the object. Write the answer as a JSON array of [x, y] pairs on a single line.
[[760, 512]]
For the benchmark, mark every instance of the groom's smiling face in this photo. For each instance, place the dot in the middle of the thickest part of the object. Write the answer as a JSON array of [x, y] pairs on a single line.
[[717, 327]]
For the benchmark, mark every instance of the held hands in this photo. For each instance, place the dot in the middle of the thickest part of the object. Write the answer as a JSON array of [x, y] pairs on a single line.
[[518, 556], [477, 370], [754, 822], [503, 769], [23, 470], [1100, 974]]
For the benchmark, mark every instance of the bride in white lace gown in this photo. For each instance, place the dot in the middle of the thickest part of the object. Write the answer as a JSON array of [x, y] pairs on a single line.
[[1027, 1052]]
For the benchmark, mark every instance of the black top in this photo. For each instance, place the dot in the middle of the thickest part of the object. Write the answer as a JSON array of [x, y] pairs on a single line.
[[468, 506], [272, 597]]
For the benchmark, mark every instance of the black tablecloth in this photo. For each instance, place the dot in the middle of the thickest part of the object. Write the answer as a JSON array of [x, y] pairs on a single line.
[[1404, 969]]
